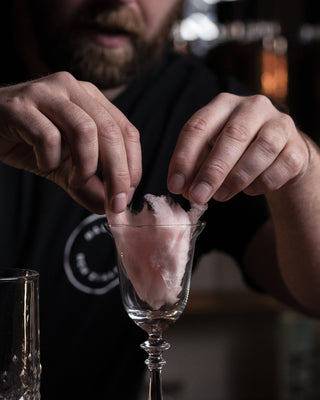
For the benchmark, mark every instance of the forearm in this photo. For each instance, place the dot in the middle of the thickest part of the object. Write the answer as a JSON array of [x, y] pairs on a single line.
[[295, 212]]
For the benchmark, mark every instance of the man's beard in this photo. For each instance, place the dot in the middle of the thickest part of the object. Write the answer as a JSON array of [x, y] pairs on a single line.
[[63, 47]]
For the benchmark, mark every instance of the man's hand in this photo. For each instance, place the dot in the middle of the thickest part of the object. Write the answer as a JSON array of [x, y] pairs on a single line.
[[236, 144], [59, 128]]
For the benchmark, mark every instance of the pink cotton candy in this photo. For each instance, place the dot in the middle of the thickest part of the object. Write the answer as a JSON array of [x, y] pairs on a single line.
[[153, 254]]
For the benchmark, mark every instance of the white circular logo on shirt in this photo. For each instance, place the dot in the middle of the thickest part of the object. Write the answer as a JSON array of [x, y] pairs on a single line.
[[90, 257]]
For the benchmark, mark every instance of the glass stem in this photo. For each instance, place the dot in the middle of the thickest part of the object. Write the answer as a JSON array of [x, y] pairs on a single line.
[[155, 385], [154, 346]]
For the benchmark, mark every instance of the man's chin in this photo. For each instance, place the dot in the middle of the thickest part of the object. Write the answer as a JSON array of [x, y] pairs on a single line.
[[110, 68], [105, 68]]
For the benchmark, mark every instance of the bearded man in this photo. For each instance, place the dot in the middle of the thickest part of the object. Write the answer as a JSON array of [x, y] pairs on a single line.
[[95, 112]]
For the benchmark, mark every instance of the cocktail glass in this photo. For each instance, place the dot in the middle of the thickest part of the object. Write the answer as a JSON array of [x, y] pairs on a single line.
[[155, 265]]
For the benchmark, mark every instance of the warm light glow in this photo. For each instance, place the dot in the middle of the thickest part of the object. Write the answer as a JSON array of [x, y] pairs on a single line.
[[274, 75]]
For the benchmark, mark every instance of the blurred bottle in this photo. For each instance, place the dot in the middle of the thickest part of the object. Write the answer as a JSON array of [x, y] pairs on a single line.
[[253, 50]]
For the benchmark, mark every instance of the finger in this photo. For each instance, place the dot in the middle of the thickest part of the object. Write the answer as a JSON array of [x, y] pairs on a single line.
[[236, 136], [134, 158], [196, 139], [90, 195], [79, 131], [43, 137], [131, 141], [80, 141], [259, 156], [91, 131], [130, 133], [111, 146], [114, 166], [120, 156], [288, 165]]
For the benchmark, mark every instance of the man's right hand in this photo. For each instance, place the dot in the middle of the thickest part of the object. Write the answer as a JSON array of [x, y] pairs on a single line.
[[60, 128]]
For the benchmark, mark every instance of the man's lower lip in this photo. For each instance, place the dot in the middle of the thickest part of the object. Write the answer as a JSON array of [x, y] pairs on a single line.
[[110, 40]]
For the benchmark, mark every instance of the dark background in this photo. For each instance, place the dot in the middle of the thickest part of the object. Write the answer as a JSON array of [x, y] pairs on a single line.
[[299, 21]]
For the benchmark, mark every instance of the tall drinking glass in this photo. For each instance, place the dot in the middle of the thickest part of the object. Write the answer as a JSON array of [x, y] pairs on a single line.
[[19, 335]]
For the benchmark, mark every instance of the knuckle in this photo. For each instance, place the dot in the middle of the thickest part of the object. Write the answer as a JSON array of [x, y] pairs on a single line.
[[294, 161], [118, 179], [90, 87], [17, 103], [46, 138], [51, 139], [180, 160], [131, 133], [215, 169], [110, 132], [268, 182], [86, 128], [259, 100], [122, 174], [64, 77], [26, 95], [237, 180], [34, 89], [225, 97], [270, 142], [196, 125], [237, 133], [286, 120]]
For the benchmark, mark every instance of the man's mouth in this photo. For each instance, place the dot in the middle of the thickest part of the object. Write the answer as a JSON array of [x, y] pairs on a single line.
[[109, 37]]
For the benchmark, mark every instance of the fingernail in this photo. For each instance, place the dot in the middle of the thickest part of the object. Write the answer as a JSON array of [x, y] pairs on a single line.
[[130, 194], [176, 183], [201, 193], [119, 203]]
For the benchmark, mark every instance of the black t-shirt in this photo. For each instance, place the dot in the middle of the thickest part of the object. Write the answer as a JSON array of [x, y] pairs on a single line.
[[89, 346]]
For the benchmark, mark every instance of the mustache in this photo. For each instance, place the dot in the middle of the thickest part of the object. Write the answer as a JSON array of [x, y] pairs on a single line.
[[122, 20]]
